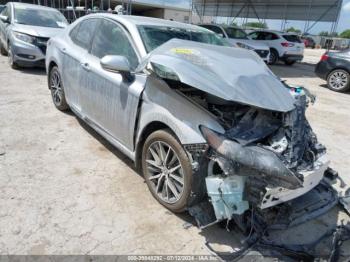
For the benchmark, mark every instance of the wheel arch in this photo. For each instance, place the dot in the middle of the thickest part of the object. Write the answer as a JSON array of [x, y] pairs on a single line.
[[272, 49], [51, 64], [146, 131], [337, 68]]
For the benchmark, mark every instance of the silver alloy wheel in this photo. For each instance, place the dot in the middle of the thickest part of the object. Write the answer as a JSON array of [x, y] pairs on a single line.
[[165, 172], [56, 88], [338, 80]]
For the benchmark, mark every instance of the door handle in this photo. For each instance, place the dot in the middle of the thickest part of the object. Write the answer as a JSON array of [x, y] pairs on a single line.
[[85, 66]]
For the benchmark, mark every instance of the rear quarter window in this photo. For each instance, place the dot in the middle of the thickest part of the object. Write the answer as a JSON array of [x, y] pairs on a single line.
[[292, 38]]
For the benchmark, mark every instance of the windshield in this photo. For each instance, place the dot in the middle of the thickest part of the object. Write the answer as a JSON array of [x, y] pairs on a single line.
[[236, 33], [39, 17], [154, 36]]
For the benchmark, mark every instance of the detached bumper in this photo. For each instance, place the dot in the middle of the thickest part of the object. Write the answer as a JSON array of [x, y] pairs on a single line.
[[275, 196], [28, 55]]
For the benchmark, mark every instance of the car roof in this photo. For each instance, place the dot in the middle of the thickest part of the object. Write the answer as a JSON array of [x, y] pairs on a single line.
[[273, 31], [142, 20], [25, 5], [223, 26]]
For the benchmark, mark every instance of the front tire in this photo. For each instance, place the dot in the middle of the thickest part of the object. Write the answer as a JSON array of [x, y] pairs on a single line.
[[339, 80], [273, 57], [57, 90], [10, 59], [167, 170]]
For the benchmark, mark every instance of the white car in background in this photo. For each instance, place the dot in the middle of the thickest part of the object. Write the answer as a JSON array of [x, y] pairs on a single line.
[[287, 47], [238, 38]]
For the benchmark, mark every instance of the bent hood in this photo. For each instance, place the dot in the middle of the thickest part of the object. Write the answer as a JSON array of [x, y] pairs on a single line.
[[233, 74], [39, 31]]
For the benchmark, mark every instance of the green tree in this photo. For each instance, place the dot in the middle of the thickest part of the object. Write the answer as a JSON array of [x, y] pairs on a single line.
[[255, 25], [293, 30], [345, 34]]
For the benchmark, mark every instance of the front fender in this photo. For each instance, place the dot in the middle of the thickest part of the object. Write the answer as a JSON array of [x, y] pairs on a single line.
[[163, 104]]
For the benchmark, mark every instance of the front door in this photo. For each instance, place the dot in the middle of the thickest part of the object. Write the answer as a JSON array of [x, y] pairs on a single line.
[[111, 102]]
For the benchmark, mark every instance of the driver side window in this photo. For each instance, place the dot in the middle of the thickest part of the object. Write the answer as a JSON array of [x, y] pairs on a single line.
[[110, 39]]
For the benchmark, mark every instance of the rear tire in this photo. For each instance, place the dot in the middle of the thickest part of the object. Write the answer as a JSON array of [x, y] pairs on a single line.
[[57, 90], [161, 154], [339, 80], [273, 57]]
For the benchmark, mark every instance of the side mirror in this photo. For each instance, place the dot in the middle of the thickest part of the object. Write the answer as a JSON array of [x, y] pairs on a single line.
[[5, 19], [117, 64]]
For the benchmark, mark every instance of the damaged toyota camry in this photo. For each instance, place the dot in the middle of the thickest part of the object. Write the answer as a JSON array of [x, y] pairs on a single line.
[[210, 127]]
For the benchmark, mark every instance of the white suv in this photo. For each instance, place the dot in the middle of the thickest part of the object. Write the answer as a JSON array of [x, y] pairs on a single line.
[[239, 38], [284, 46]]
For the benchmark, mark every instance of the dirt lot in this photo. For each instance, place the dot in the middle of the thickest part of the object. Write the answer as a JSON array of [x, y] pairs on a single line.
[[65, 190]]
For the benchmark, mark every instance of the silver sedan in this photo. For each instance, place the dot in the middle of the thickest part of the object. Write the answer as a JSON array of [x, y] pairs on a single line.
[[202, 120]]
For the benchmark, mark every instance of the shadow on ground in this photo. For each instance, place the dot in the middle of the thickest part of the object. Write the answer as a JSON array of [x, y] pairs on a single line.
[[32, 71], [295, 71]]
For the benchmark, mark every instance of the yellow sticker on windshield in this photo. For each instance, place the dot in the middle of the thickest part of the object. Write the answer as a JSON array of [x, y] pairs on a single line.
[[185, 51]]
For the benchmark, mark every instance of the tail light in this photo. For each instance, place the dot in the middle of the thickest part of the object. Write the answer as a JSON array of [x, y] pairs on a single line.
[[286, 44], [324, 57]]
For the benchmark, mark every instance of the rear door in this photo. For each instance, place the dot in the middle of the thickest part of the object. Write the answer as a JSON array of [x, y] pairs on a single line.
[[73, 68]]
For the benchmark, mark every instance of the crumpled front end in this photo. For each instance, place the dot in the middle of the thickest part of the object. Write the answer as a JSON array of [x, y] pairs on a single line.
[[267, 155], [264, 158]]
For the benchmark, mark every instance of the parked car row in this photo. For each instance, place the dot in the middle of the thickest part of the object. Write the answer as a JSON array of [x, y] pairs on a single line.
[[238, 38], [270, 45]]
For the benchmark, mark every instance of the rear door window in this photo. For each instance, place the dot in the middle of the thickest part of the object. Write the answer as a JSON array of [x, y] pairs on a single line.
[[214, 28], [254, 35], [292, 38], [82, 34], [271, 36]]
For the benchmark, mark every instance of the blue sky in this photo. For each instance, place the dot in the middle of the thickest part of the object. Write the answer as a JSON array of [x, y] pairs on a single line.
[[344, 21]]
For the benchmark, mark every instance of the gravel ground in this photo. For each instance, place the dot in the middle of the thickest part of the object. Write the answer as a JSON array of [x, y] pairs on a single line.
[[65, 190]]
